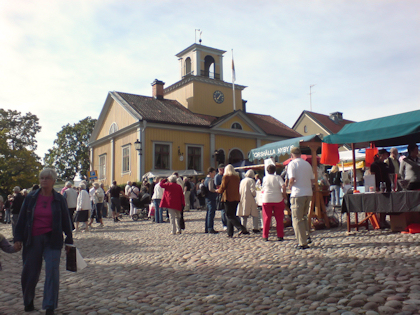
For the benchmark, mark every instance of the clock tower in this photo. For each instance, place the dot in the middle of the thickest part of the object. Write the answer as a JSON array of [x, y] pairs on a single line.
[[201, 88]]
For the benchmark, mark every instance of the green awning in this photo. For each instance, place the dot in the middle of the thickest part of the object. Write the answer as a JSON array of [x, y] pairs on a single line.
[[386, 131], [278, 148]]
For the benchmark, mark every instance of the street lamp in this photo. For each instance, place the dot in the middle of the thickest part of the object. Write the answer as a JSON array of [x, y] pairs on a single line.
[[137, 146]]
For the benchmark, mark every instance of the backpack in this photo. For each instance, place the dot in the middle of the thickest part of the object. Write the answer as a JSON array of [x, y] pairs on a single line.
[[100, 195], [205, 189]]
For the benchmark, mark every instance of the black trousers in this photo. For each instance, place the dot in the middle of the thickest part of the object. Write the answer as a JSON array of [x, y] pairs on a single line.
[[232, 219]]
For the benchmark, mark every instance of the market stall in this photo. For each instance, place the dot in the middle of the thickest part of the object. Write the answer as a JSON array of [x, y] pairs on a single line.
[[309, 145], [400, 129]]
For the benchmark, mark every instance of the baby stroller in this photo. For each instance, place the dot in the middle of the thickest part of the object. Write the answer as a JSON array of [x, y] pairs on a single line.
[[142, 207]]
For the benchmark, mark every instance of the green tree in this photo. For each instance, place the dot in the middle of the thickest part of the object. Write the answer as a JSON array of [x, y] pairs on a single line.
[[21, 130], [19, 165], [70, 153]]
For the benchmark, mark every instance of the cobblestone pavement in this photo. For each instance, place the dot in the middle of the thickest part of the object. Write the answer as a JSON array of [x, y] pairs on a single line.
[[139, 268]]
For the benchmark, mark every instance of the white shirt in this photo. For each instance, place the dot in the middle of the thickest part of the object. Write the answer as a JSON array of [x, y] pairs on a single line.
[[83, 201], [158, 192], [127, 189], [272, 189], [302, 172]]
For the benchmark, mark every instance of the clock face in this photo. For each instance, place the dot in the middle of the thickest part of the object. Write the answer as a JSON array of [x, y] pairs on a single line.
[[218, 97]]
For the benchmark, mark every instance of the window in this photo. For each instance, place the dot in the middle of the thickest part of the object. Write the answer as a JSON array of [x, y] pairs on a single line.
[[126, 159], [236, 126], [188, 66], [305, 129], [102, 166], [162, 156], [194, 158], [113, 128]]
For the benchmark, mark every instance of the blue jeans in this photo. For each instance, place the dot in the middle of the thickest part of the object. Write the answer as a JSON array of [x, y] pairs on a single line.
[[211, 211], [223, 217], [158, 211], [7, 216], [32, 263], [335, 195]]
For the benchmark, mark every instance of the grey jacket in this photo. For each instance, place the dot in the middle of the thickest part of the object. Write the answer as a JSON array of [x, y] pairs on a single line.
[[60, 223], [410, 170]]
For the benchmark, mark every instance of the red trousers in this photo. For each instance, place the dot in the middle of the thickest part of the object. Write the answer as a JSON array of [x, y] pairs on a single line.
[[268, 210]]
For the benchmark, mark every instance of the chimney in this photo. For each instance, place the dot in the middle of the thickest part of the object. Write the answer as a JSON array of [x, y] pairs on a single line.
[[157, 89], [336, 117]]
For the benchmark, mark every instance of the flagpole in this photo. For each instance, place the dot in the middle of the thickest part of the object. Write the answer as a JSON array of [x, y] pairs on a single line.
[[233, 83]]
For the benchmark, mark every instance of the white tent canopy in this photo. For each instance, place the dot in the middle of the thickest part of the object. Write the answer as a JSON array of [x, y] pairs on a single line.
[[168, 173], [346, 156]]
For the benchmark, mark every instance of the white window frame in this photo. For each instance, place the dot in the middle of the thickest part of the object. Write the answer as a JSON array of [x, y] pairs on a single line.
[[127, 146], [113, 128], [201, 155], [231, 126], [170, 153], [102, 167]]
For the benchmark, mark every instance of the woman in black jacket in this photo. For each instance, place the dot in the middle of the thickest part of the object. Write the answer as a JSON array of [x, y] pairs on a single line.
[[335, 184]]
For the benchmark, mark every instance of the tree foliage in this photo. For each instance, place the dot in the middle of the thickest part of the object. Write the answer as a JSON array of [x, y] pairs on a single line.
[[70, 153], [19, 165], [21, 130]]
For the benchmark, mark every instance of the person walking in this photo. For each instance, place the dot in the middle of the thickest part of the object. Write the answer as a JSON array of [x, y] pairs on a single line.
[[187, 193], [15, 207], [114, 193], [219, 204], [157, 198], [173, 199], [98, 203], [43, 219], [301, 179], [273, 194], [247, 205], [335, 185], [210, 197], [230, 190], [71, 197], [83, 208]]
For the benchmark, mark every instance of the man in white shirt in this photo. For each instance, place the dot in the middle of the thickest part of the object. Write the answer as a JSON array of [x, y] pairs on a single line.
[[71, 196], [301, 179], [127, 188]]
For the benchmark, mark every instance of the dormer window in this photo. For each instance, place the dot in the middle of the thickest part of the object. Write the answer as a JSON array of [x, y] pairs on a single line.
[[113, 128], [236, 126]]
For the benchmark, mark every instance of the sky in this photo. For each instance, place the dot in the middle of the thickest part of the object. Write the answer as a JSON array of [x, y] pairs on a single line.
[[59, 59]]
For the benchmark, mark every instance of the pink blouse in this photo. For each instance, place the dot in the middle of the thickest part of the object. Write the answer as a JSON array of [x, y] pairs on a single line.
[[42, 215]]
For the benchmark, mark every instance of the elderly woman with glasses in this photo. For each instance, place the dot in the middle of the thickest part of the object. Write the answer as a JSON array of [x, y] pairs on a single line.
[[42, 220]]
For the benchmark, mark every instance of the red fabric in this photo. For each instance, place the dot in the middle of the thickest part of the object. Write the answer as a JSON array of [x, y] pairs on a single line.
[[413, 228], [370, 154], [329, 154], [173, 197], [268, 210], [307, 158]]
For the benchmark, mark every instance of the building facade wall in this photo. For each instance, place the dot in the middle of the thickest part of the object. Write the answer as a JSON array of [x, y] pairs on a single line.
[[311, 127], [118, 115]]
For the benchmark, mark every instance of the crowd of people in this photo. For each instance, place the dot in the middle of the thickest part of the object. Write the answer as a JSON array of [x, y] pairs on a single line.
[[41, 217]]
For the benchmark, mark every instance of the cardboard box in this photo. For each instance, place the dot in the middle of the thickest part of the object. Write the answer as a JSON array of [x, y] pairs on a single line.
[[400, 221]]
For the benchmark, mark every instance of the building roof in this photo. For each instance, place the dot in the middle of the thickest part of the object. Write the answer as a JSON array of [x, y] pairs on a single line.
[[325, 121], [172, 112], [272, 126], [164, 111]]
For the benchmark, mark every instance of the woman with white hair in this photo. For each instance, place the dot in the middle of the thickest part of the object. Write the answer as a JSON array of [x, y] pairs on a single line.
[[247, 205], [42, 220], [83, 207], [173, 199], [231, 197], [273, 194]]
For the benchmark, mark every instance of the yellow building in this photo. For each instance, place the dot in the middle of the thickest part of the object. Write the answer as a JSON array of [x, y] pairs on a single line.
[[189, 126], [311, 123]]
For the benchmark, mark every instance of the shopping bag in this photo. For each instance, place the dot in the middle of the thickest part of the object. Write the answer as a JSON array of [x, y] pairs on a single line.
[[75, 261]]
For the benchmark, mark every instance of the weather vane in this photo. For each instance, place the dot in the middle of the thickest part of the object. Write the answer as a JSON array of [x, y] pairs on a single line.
[[198, 30]]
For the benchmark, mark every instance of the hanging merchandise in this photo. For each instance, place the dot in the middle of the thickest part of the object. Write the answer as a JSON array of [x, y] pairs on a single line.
[[329, 154]]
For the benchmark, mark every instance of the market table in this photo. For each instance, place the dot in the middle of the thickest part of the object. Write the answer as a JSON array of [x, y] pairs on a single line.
[[371, 203]]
